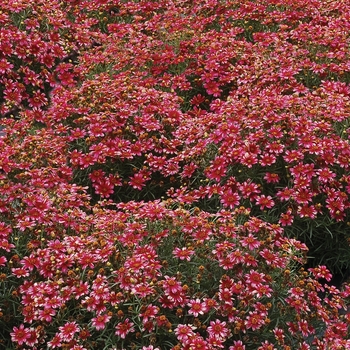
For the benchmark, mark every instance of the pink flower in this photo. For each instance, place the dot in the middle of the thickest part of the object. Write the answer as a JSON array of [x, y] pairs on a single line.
[[124, 328], [138, 180], [255, 278], [251, 242], [197, 342], [184, 332], [218, 329], [20, 335], [196, 307], [286, 218], [33, 337], [267, 159], [171, 285], [237, 345], [265, 202], [55, 342], [321, 272], [46, 314], [142, 290], [20, 272], [271, 177], [183, 254], [78, 347], [3, 261], [150, 312], [269, 256], [99, 322], [230, 199], [68, 331], [266, 346], [254, 320]]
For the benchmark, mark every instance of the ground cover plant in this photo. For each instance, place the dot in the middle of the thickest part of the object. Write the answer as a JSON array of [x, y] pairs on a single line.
[[174, 175]]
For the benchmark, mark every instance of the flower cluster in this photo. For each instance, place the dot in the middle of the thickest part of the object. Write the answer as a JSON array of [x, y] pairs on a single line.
[[122, 277], [167, 171]]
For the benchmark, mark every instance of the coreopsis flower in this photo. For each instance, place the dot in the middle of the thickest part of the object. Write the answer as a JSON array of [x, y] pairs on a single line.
[[254, 320], [230, 199], [237, 345], [122, 329], [255, 278], [184, 332], [20, 272], [279, 335], [321, 272], [272, 178], [265, 202], [33, 338], [68, 330], [104, 187], [46, 314], [251, 242], [149, 313], [171, 285], [266, 345], [99, 322], [142, 290], [198, 343], [267, 159], [78, 347], [286, 218], [20, 335], [196, 307], [183, 253], [3, 260], [270, 257], [218, 329], [298, 303], [138, 180], [305, 328], [55, 342]]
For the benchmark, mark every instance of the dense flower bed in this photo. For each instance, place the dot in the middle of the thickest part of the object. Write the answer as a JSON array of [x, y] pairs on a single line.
[[174, 174]]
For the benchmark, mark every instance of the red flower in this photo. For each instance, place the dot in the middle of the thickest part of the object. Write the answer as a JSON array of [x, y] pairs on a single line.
[[249, 159], [271, 177], [138, 180], [183, 254], [321, 272], [251, 242], [254, 320], [46, 314], [237, 345], [218, 329], [99, 322], [20, 335], [122, 329], [286, 218], [307, 211], [104, 187], [150, 313], [56, 342], [3, 260], [255, 278], [198, 343], [184, 332], [68, 330], [230, 199], [267, 159], [265, 201], [196, 307]]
